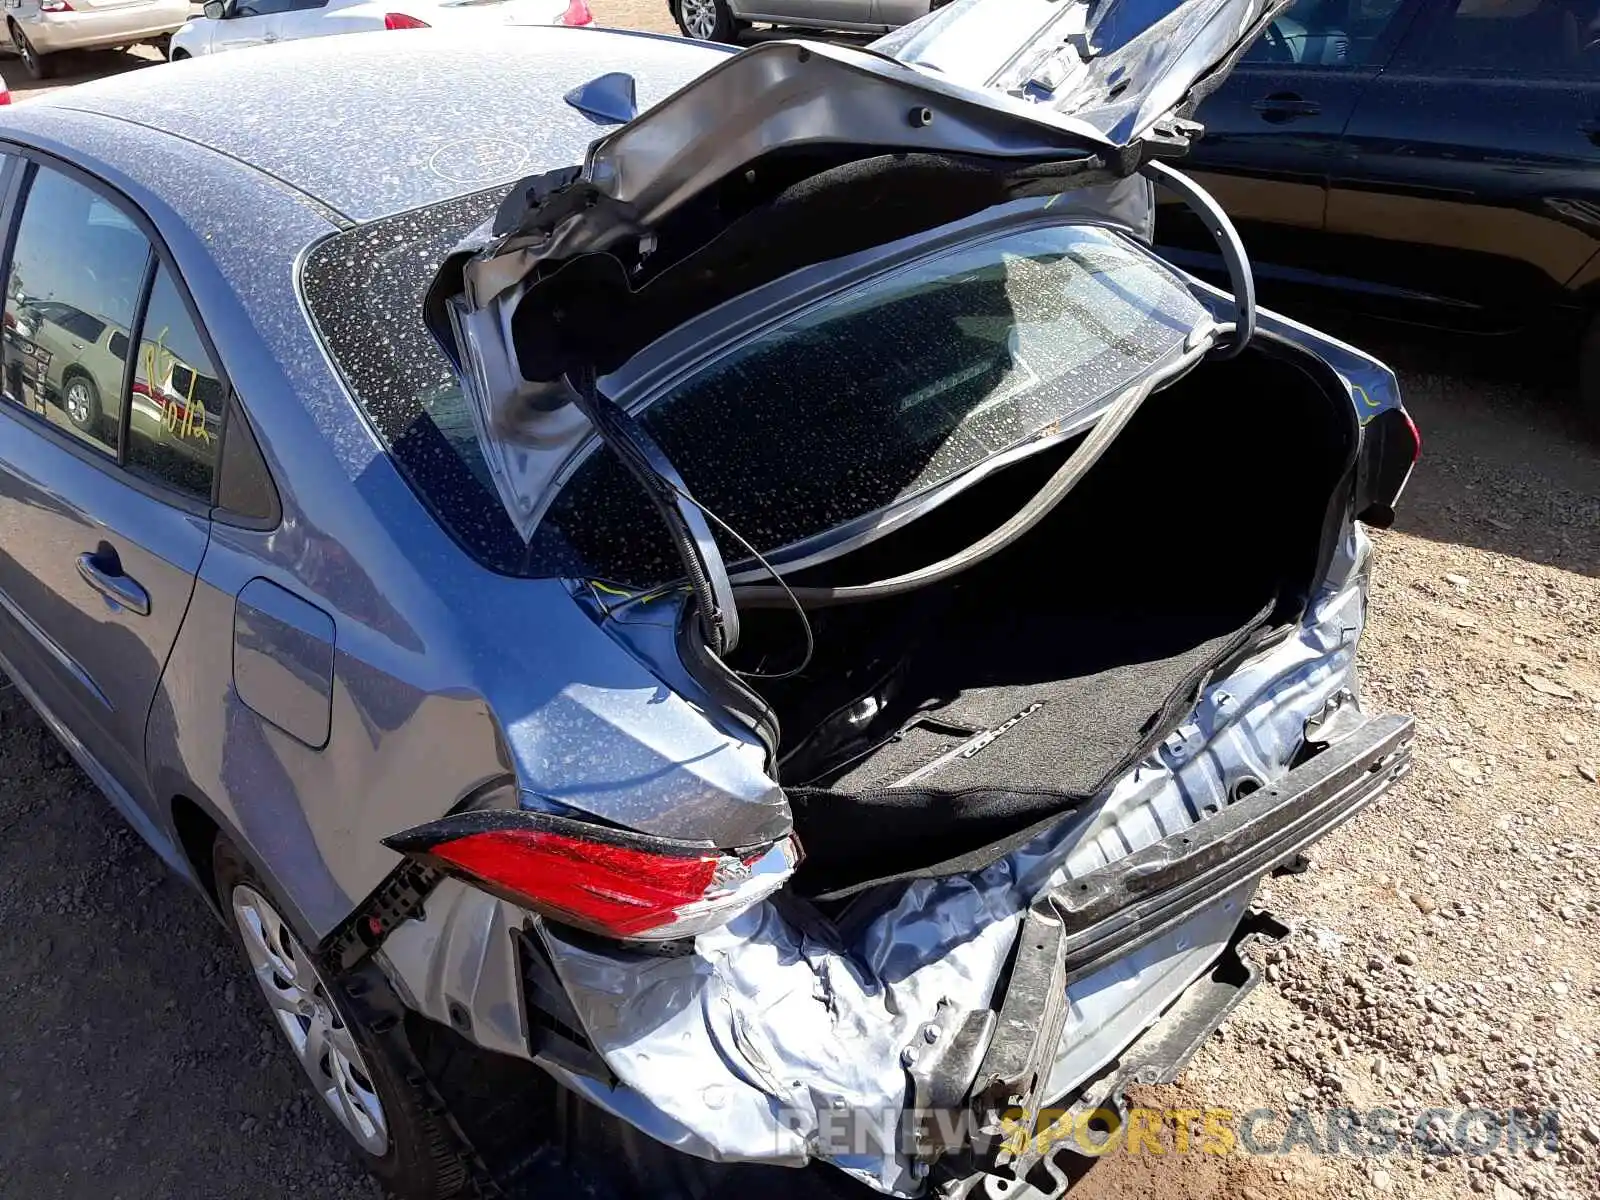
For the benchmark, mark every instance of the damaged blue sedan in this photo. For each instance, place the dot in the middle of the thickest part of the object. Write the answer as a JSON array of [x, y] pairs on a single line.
[[736, 582]]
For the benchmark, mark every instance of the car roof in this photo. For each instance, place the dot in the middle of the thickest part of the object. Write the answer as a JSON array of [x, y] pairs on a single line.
[[377, 123]]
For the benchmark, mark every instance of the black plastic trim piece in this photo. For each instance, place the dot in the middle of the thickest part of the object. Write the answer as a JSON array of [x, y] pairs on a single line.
[[555, 1031], [396, 900], [246, 493]]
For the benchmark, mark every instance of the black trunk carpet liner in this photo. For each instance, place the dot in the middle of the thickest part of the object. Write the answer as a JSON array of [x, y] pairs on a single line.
[[1069, 701]]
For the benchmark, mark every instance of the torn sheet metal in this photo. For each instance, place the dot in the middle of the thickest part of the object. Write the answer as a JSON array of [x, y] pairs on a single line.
[[751, 1047]]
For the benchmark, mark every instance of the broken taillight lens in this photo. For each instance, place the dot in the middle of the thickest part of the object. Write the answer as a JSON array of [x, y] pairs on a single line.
[[608, 881]]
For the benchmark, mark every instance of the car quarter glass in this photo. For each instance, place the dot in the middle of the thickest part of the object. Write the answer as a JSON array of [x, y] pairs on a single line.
[[71, 293], [175, 421]]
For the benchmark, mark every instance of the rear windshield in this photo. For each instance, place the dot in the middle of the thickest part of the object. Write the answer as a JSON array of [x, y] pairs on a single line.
[[850, 408]]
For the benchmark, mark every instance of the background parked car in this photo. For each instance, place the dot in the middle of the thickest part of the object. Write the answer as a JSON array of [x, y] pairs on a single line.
[[41, 28], [237, 24], [67, 352], [721, 20], [1436, 158]]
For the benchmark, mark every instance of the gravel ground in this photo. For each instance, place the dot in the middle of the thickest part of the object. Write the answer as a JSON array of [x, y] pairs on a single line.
[[1443, 945]]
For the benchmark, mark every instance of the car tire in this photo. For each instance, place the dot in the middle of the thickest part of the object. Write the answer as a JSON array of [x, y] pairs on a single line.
[[80, 400], [1589, 375], [367, 1087], [38, 66], [177, 56], [707, 20]]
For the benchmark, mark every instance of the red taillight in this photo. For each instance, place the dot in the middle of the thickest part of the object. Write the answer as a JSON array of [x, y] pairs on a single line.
[[5, 94], [577, 14], [55, 6], [608, 881], [402, 21], [1416, 438]]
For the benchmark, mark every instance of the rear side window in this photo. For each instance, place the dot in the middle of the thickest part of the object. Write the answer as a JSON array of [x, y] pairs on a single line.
[[76, 287], [74, 283], [1515, 38]]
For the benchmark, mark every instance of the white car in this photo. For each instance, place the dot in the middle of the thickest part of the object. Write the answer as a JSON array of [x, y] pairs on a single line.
[[236, 24], [40, 28]]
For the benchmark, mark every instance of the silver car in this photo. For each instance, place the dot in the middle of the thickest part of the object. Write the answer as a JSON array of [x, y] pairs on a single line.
[[40, 29], [724, 20], [734, 584]]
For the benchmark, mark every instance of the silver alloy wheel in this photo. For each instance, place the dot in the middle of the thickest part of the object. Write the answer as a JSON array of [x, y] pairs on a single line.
[[80, 405], [316, 1032], [699, 18]]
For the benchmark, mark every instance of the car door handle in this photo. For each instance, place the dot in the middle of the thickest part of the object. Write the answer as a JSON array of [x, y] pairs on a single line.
[[1285, 106], [103, 572]]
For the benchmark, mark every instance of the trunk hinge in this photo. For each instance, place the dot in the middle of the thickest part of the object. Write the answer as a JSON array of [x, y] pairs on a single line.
[[1228, 242], [685, 519]]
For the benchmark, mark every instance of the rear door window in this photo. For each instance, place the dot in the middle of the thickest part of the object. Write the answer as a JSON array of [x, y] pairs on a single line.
[[76, 274], [1510, 38], [1325, 33], [150, 400]]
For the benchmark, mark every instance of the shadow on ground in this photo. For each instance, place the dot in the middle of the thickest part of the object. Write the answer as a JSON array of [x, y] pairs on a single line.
[[1509, 462], [75, 66]]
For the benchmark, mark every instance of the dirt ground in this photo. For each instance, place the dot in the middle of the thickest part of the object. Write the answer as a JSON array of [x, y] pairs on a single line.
[[1443, 953]]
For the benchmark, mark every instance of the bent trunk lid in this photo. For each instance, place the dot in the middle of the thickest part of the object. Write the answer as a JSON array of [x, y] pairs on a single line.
[[1006, 98]]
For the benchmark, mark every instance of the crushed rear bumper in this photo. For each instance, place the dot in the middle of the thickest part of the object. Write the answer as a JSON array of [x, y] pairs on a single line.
[[1101, 916]]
